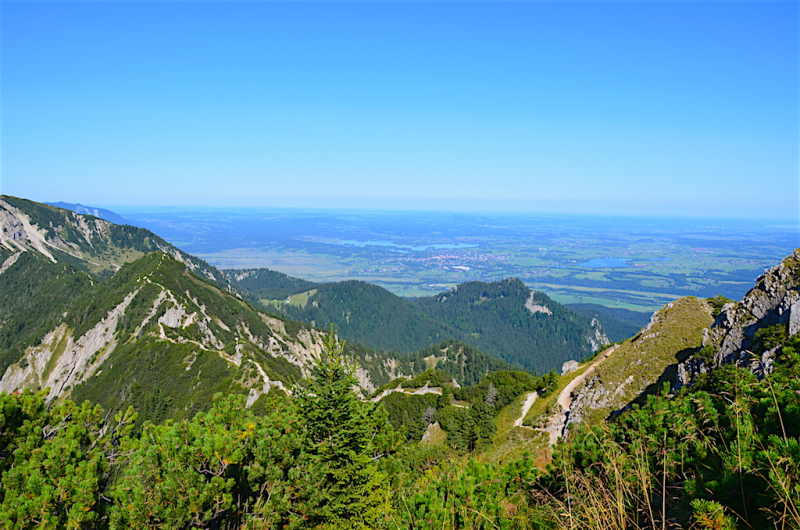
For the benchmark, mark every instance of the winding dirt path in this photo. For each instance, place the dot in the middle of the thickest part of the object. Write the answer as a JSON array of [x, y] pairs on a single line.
[[558, 422], [526, 407]]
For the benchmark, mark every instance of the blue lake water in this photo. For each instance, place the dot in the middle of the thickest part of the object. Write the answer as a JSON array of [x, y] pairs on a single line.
[[390, 245], [598, 263]]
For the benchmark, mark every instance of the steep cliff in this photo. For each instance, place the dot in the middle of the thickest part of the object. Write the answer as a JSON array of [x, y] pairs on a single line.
[[737, 335]]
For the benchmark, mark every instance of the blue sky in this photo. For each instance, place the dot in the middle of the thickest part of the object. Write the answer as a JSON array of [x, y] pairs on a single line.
[[668, 108]]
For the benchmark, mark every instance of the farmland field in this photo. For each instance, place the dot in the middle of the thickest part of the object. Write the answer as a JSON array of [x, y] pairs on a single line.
[[635, 263]]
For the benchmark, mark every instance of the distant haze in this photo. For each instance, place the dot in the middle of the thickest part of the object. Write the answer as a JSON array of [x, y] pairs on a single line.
[[631, 108]]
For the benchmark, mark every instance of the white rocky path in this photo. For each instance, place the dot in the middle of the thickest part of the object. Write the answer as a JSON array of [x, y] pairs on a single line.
[[526, 407]]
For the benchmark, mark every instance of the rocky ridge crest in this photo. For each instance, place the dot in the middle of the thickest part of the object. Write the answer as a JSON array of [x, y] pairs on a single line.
[[774, 300]]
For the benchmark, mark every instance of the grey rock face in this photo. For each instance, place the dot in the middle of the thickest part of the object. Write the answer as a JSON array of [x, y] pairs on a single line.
[[774, 300], [592, 396], [597, 337], [794, 318], [569, 366]]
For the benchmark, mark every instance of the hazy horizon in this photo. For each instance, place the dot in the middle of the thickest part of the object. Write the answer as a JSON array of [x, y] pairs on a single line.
[[141, 208], [602, 108]]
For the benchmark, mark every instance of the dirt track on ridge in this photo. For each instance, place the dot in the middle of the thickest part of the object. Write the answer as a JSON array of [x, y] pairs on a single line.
[[557, 423]]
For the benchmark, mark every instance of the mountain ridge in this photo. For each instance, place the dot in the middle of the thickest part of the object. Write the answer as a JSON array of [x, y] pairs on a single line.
[[94, 245], [102, 213], [524, 334]]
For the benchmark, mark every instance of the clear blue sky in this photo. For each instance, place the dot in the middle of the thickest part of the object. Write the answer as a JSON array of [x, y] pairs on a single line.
[[676, 108]]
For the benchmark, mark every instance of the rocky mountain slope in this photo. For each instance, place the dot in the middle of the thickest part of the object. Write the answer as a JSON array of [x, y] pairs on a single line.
[[742, 331], [683, 342], [87, 243], [155, 332]]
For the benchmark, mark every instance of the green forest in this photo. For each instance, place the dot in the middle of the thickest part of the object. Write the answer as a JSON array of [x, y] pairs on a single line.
[[467, 365], [265, 284], [491, 317], [369, 314], [721, 454]]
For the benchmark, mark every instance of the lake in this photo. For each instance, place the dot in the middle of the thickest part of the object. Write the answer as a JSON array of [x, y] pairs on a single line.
[[598, 263]]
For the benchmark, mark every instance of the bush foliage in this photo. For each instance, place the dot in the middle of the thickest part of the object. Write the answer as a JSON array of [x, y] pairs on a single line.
[[722, 454]]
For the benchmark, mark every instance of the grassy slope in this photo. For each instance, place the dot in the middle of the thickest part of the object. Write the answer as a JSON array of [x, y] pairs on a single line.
[[645, 358], [510, 442], [639, 363]]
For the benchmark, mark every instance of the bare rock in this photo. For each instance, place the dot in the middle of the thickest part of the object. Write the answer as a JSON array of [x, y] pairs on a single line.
[[569, 366]]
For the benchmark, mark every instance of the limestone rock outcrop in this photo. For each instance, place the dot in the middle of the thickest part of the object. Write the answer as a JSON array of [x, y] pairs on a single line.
[[774, 300]]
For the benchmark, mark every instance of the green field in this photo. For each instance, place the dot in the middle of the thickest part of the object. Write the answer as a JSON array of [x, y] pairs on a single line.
[[642, 285], [643, 262]]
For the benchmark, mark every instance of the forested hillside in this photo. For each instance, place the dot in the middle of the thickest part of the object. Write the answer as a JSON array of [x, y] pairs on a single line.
[[264, 285], [508, 320], [34, 295], [369, 314], [504, 319], [467, 365]]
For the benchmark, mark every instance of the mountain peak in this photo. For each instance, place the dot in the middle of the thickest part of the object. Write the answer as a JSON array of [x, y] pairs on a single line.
[[101, 213], [735, 334], [89, 243]]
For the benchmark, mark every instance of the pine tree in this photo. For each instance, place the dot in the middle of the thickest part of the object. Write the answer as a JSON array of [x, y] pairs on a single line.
[[342, 436]]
